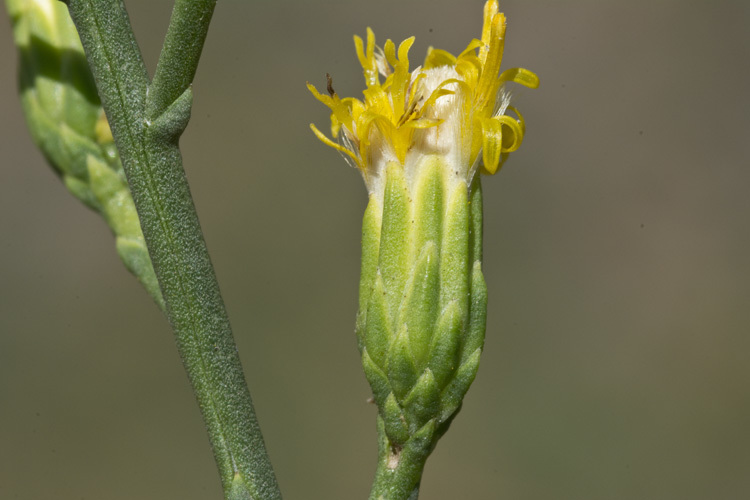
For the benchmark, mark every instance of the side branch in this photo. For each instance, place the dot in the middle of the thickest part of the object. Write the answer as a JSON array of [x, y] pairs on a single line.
[[147, 122]]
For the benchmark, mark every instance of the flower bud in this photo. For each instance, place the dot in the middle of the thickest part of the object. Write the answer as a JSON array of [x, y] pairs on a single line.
[[423, 299], [420, 138], [67, 123]]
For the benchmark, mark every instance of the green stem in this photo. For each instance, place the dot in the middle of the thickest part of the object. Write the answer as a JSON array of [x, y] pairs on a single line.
[[180, 54], [147, 121], [399, 471]]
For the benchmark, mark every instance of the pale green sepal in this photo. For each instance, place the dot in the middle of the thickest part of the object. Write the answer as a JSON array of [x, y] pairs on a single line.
[[394, 238], [446, 344], [477, 314], [454, 393], [427, 214], [454, 265], [370, 247], [423, 402], [377, 379], [401, 369], [395, 423], [377, 335], [419, 308]]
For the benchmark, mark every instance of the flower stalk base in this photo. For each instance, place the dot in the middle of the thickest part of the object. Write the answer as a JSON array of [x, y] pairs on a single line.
[[400, 468]]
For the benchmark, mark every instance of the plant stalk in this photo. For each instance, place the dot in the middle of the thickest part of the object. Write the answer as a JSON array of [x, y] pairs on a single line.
[[400, 468], [147, 120]]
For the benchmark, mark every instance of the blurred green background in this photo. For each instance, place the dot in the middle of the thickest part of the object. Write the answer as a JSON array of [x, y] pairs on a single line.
[[617, 243]]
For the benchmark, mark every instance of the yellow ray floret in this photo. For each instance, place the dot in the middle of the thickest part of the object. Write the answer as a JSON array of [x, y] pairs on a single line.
[[460, 98]]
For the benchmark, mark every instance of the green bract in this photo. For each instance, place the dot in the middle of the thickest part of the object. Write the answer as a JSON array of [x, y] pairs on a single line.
[[423, 301]]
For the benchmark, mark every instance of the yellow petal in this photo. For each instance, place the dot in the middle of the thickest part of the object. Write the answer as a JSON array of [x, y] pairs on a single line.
[[491, 9], [436, 58], [488, 83], [492, 143], [511, 139], [520, 75], [390, 52], [521, 121], [325, 99], [328, 142]]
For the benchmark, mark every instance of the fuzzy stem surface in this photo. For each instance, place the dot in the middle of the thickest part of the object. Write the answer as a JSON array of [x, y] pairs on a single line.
[[147, 120]]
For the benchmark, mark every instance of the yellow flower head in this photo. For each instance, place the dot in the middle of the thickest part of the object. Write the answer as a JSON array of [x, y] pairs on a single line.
[[455, 107]]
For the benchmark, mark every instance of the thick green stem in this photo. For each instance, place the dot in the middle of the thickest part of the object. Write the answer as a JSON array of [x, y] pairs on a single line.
[[400, 468], [147, 121]]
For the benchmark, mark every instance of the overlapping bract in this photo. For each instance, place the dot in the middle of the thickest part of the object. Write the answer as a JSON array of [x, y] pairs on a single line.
[[68, 125], [421, 319]]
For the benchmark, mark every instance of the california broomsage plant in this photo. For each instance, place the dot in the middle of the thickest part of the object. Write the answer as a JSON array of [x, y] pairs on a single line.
[[420, 138]]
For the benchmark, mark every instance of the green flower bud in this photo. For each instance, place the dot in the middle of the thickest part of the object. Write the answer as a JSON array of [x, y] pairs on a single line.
[[67, 123], [423, 299]]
